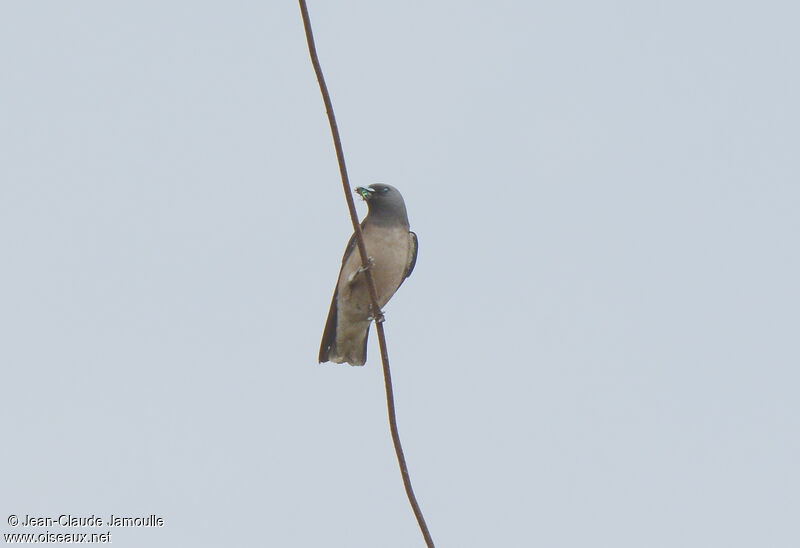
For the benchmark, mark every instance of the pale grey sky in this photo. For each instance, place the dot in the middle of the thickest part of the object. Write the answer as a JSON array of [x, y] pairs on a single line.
[[598, 346]]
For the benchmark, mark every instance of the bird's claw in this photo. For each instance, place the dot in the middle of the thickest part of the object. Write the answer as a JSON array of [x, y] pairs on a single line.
[[379, 317], [361, 269], [370, 264]]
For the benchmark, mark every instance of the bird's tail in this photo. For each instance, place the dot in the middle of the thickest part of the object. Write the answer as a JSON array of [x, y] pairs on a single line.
[[351, 344]]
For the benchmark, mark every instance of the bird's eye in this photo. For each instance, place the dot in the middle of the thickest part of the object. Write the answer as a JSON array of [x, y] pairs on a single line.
[[384, 190]]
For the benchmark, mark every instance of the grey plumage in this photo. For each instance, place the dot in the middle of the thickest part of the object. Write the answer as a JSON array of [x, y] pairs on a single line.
[[393, 249]]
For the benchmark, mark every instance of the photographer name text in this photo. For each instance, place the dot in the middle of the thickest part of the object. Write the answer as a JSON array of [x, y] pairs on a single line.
[[68, 520]]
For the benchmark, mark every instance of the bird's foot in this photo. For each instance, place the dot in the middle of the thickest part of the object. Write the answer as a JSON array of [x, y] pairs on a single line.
[[379, 317], [370, 264], [362, 268]]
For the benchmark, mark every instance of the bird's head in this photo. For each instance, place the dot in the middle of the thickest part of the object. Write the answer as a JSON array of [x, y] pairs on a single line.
[[383, 200]]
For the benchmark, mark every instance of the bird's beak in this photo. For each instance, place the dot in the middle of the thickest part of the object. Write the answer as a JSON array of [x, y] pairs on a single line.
[[365, 193]]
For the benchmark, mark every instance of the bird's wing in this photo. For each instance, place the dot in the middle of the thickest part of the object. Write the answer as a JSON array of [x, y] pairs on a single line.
[[329, 334], [412, 254]]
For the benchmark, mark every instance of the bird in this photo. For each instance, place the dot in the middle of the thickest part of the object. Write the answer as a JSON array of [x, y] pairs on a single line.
[[392, 251]]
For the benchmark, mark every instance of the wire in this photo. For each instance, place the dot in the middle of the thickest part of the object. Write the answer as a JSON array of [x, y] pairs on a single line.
[[377, 313]]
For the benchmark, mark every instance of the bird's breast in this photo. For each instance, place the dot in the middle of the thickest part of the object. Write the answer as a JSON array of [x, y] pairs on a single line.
[[388, 247]]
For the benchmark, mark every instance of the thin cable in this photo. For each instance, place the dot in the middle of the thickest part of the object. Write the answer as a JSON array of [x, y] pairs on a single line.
[[362, 249]]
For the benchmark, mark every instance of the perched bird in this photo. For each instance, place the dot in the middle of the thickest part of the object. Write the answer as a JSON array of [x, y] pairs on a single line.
[[392, 249]]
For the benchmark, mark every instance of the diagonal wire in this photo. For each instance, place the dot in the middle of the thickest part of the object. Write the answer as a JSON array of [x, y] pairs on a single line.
[[401, 460]]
